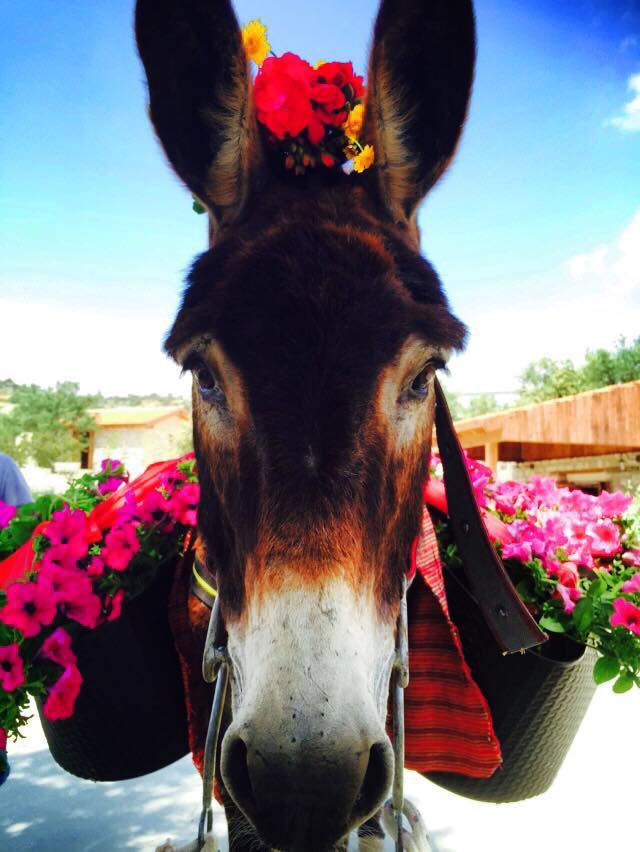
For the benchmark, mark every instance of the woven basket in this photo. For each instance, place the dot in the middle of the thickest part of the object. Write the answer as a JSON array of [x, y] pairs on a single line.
[[538, 700], [130, 716]]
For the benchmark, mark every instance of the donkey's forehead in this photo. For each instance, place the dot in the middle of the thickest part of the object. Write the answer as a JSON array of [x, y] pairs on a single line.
[[304, 290]]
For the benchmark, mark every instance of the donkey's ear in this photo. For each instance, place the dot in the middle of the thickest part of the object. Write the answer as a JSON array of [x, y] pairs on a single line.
[[420, 79], [200, 97]]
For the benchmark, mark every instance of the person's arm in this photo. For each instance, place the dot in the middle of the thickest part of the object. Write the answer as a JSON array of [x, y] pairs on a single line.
[[13, 486]]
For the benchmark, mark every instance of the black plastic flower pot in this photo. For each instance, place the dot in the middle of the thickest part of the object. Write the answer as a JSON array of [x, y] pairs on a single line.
[[130, 716], [538, 700]]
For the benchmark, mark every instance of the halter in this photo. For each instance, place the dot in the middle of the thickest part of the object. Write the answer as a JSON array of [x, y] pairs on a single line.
[[216, 666], [510, 622]]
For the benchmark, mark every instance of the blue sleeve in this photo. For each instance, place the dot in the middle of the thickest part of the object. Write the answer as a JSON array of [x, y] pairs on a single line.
[[13, 487]]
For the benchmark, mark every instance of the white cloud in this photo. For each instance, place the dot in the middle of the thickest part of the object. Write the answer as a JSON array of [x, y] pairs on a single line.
[[109, 350], [588, 302], [629, 118]]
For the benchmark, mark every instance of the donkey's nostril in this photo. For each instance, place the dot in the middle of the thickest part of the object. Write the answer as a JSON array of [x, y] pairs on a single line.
[[237, 777], [376, 782]]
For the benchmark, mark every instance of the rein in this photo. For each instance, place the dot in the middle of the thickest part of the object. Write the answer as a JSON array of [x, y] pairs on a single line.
[[510, 623]]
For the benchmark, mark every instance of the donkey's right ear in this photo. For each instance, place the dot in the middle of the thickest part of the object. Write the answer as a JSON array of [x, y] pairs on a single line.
[[420, 78], [200, 98]]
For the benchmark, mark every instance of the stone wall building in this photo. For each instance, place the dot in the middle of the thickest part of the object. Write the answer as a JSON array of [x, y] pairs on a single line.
[[137, 436]]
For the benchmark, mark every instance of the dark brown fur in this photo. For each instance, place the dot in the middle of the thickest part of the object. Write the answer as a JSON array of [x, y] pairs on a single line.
[[311, 302]]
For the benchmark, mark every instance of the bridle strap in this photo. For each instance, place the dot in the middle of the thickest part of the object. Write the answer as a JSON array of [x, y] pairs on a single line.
[[508, 619]]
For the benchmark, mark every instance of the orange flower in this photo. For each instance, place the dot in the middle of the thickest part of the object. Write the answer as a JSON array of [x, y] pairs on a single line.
[[353, 124], [254, 39], [364, 159]]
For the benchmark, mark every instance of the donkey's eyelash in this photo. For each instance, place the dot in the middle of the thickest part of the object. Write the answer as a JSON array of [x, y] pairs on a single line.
[[441, 365], [191, 362]]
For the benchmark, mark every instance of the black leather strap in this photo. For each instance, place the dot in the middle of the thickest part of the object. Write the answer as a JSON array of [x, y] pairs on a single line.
[[509, 621]]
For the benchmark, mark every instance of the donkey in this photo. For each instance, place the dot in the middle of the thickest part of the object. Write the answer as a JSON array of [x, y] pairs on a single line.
[[313, 329]]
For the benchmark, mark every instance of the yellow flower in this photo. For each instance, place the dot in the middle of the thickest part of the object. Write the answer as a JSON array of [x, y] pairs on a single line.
[[364, 159], [319, 64], [254, 39], [353, 124]]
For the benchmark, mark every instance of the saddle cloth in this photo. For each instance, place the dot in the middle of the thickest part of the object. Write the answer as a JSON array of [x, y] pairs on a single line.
[[448, 726]]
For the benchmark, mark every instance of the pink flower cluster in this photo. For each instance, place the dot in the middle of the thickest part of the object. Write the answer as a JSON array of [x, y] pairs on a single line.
[[569, 531], [113, 475], [74, 579]]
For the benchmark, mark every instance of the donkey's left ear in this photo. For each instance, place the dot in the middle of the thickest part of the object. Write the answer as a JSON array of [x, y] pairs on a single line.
[[200, 97], [420, 78]]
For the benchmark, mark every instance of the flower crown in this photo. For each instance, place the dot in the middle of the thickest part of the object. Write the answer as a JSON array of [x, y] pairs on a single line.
[[313, 114]]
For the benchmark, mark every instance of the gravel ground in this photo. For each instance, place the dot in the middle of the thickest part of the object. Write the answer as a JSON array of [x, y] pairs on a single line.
[[592, 806]]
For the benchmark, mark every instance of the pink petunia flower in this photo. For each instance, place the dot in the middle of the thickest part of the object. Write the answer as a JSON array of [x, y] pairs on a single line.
[[631, 557], [169, 481], [81, 605], [66, 584], [114, 605], [579, 551], [185, 504], [95, 568], [110, 485], [156, 508], [110, 465], [605, 538], [11, 667], [517, 550], [613, 505], [508, 496], [62, 695], [58, 557], [7, 513], [29, 606], [525, 531], [121, 544], [577, 501], [57, 648], [67, 532], [569, 596], [632, 586], [626, 614], [567, 574]]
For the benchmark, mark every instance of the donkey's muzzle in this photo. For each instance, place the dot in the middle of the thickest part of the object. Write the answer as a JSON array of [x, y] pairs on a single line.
[[305, 795]]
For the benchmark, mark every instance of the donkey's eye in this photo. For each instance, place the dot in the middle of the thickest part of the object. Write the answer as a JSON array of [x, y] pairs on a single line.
[[420, 385], [207, 383]]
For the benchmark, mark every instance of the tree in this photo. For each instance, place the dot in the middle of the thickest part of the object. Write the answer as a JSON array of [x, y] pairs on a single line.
[[483, 403], [604, 368], [548, 379], [45, 424]]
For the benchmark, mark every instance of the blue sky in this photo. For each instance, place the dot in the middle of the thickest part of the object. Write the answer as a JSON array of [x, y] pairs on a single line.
[[535, 230]]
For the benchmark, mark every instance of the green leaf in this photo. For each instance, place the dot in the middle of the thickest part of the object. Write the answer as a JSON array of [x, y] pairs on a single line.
[[597, 588], [583, 615], [197, 207], [624, 683], [523, 588], [547, 622], [606, 668]]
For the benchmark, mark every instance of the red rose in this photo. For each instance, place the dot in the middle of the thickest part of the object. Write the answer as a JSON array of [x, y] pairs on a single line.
[[282, 91], [330, 103], [340, 74]]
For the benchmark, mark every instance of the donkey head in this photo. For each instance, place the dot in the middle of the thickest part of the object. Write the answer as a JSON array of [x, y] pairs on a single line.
[[312, 328]]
